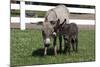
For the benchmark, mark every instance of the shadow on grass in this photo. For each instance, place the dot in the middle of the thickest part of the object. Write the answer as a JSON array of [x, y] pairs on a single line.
[[50, 52], [40, 52]]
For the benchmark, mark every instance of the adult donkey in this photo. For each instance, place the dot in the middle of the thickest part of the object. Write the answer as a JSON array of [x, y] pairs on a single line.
[[59, 12]]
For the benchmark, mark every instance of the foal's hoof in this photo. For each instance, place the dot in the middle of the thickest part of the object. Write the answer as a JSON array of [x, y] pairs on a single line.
[[60, 51]]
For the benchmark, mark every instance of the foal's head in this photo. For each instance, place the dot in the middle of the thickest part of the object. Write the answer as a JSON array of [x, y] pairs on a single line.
[[59, 26]]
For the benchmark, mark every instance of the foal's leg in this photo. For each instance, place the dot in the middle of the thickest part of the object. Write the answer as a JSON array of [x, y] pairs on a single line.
[[65, 46], [54, 44], [60, 42], [68, 48], [76, 44], [69, 45], [73, 44]]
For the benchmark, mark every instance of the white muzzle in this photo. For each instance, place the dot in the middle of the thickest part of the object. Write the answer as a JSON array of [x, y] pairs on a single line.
[[47, 41]]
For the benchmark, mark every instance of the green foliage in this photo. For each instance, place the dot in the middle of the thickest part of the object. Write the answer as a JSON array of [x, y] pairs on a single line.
[[16, 13], [27, 48]]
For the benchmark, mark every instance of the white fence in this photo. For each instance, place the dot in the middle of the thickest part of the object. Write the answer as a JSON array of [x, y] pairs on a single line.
[[22, 7]]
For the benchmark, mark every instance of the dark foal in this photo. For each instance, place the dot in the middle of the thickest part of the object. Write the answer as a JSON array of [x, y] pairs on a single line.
[[69, 32]]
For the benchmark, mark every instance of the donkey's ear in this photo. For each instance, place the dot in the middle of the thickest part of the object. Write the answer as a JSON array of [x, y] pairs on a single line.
[[64, 20]]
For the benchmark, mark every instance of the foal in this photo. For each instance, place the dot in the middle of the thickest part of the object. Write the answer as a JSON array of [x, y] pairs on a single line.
[[70, 35]]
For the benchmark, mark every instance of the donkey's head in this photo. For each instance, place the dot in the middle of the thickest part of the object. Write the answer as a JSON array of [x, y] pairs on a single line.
[[47, 32]]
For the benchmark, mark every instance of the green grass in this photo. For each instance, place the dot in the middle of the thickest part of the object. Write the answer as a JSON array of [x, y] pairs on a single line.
[[27, 48]]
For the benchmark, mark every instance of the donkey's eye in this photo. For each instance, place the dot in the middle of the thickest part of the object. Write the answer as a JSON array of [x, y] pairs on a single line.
[[52, 22]]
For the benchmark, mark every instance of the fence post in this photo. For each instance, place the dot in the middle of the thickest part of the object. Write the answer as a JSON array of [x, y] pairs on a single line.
[[22, 14]]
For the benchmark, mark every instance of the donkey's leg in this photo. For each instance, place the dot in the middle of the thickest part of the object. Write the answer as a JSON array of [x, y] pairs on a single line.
[[45, 50], [60, 42], [55, 50], [54, 44]]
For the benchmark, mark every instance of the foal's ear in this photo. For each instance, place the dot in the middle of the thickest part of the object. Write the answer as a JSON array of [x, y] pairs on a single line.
[[58, 21], [63, 22]]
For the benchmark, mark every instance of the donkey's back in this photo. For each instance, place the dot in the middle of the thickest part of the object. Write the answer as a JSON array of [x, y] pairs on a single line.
[[73, 30]]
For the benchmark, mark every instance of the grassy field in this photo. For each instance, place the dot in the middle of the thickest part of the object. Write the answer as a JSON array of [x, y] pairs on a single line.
[[27, 48]]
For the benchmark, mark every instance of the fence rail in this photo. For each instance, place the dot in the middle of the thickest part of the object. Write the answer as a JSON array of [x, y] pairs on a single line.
[[35, 20], [81, 2], [46, 8], [23, 7]]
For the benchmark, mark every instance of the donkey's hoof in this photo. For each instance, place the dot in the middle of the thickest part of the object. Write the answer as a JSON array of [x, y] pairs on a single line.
[[55, 54], [45, 54]]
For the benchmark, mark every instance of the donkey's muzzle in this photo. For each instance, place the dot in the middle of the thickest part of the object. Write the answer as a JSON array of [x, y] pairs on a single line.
[[47, 41]]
